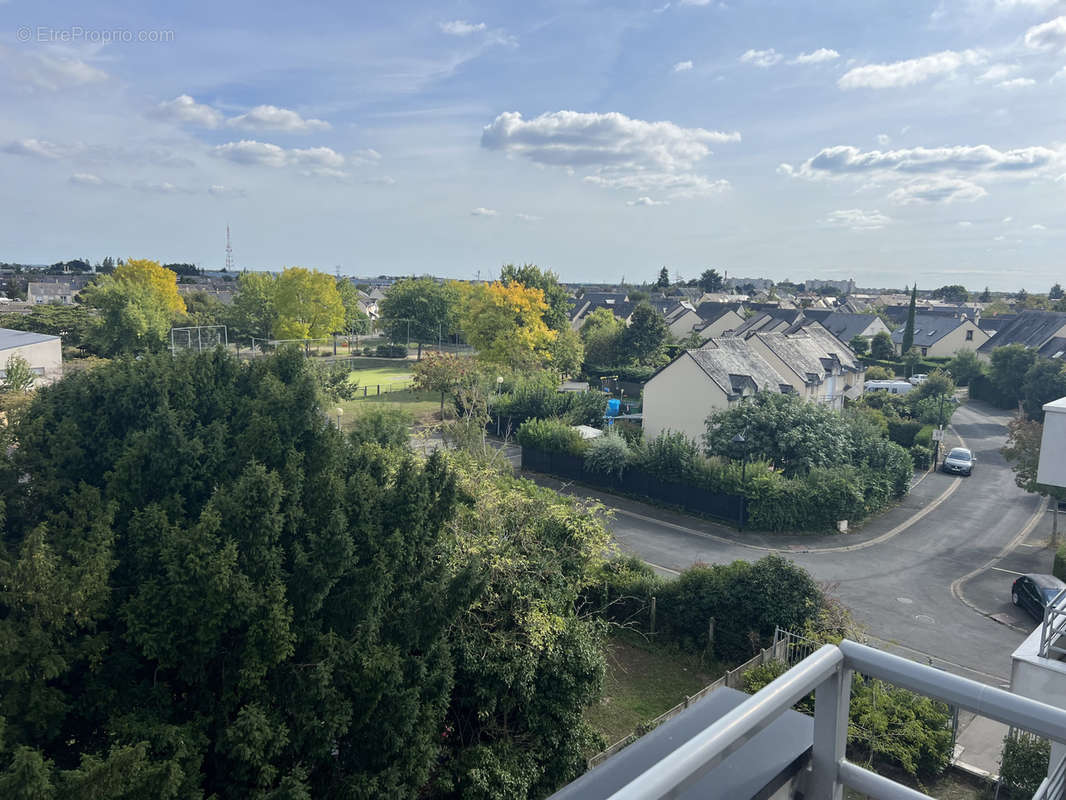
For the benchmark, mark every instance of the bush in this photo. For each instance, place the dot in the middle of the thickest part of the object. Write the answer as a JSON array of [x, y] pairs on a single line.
[[921, 456], [982, 388], [607, 455], [903, 431], [536, 400], [550, 435], [669, 457], [621, 591], [368, 351], [1024, 763], [746, 600], [391, 351], [1059, 568], [876, 373], [384, 425]]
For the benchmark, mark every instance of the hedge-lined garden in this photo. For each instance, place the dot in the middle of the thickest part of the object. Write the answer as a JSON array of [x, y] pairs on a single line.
[[803, 466]]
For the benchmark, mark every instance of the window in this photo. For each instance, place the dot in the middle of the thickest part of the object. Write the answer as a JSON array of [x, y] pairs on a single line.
[[969, 336], [925, 351]]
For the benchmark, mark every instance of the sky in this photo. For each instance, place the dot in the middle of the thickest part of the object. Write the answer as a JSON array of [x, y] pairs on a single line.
[[889, 142]]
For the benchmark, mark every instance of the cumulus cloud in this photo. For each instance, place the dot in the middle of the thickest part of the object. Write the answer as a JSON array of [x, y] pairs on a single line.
[[929, 174], [1049, 35], [816, 57], [162, 187], [483, 212], [183, 109], [316, 157], [381, 180], [221, 190], [646, 201], [1038, 227], [619, 152], [908, 73], [683, 185], [1016, 83], [272, 118], [322, 161], [366, 156], [965, 223], [761, 58], [997, 72], [682, 66], [54, 73], [528, 217], [937, 190], [883, 139], [857, 220], [249, 151], [460, 27]]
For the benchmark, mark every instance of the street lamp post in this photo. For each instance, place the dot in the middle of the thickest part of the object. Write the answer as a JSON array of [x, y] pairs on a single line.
[[499, 388]]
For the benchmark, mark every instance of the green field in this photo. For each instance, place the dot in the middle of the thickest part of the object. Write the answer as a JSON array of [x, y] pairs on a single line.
[[423, 406], [382, 375]]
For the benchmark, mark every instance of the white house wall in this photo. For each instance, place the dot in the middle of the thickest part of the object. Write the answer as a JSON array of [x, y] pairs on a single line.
[[45, 358], [680, 398]]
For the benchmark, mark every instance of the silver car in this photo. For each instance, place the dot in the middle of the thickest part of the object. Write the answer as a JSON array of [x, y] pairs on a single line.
[[959, 461]]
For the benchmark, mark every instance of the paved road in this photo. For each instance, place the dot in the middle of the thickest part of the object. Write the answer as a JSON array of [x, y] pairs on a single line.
[[896, 574]]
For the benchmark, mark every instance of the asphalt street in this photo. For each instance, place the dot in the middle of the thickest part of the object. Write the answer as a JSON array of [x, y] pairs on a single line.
[[928, 579]]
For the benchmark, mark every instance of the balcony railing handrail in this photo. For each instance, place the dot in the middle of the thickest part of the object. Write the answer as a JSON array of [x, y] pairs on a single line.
[[828, 672], [1053, 626]]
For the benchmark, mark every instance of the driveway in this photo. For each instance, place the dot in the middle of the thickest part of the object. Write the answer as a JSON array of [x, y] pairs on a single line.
[[897, 573]]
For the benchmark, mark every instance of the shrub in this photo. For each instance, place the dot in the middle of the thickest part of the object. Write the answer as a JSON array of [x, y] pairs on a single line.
[[368, 351], [924, 437], [607, 455], [385, 425], [391, 351], [1059, 568], [550, 435], [535, 399], [893, 462], [921, 456], [903, 431], [621, 591], [669, 456], [1024, 763], [876, 373]]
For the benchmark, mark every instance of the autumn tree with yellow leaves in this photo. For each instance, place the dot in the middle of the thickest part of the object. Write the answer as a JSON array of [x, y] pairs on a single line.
[[506, 324], [138, 303], [308, 304]]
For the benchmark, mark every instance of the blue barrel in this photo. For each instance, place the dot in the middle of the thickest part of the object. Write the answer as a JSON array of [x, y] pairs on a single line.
[[613, 405]]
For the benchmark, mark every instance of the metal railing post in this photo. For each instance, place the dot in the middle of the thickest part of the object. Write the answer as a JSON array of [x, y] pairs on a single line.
[[832, 700]]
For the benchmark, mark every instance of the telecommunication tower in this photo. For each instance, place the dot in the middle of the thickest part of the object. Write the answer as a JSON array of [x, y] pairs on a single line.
[[229, 252]]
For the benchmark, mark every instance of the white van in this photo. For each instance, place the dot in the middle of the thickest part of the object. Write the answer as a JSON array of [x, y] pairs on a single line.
[[892, 387]]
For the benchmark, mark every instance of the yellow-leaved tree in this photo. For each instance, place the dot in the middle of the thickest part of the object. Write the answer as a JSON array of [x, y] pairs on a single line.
[[148, 275], [307, 304], [506, 323]]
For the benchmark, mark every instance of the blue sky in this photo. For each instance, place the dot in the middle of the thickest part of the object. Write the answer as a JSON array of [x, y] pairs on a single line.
[[890, 142]]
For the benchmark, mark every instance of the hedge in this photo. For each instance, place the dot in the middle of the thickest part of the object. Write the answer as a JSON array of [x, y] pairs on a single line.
[[1059, 568], [391, 351], [982, 388], [897, 367], [903, 431]]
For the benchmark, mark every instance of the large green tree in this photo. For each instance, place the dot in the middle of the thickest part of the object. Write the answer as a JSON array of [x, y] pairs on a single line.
[[1044, 381], [1008, 367], [206, 591], [602, 334], [253, 313], [355, 319], [421, 308], [881, 346], [711, 281], [308, 304], [643, 340]]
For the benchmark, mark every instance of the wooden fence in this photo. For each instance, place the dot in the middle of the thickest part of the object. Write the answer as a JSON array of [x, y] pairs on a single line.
[[733, 679]]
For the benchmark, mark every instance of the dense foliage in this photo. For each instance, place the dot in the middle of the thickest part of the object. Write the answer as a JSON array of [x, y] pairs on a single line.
[[206, 590], [1024, 763]]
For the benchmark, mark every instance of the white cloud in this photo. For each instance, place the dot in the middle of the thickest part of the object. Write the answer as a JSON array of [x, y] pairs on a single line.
[[997, 72], [381, 180], [1049, 35], [1060, 75], [937, 190], [483, 212], [857, 220], [619, 152], [682, 66], [843, 159], [528, 217], [646, 201], [38, 148], [965, 223], [1017, 83], [164, 187], [909, 72], [184, 109], [816, 57], [761, 58], [883, 139], [249, 151], [54, 72], [316, 157], [86, 179], [460, 27], [366, 156], [694, 3], [1007, 220], [220, 190], [1038, 227], [272, 118]]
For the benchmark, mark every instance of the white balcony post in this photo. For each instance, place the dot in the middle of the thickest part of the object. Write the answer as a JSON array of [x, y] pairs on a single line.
[[832, 700]]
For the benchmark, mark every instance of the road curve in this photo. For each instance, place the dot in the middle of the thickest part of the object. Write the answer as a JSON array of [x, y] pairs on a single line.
[[899, 587]]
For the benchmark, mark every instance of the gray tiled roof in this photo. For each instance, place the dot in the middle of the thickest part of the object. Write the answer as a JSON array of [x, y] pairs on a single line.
[[846, 326], [726, 358], [1031, 328], [928, 329]]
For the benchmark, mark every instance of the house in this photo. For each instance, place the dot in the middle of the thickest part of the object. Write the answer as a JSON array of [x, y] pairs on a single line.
[[814, 363], [773, 320], [846, 327], [717, 318], [681, 319], [38, 293], [1034, 329], [993, 325], [681, 395], [941, 336], [43, 352]]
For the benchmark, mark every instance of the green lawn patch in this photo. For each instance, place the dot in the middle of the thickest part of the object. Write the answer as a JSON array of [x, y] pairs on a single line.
[[643, 681]]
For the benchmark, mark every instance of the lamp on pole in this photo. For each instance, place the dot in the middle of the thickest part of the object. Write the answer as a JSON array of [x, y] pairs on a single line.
[[740, 441], [499, 388]]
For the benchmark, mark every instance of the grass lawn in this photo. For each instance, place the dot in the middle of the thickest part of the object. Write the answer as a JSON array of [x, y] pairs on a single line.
[[381, 375], [643, 681], [423, 406]]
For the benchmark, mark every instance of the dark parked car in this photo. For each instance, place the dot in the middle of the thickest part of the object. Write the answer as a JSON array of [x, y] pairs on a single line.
[[959, 461], [1034, 592]]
